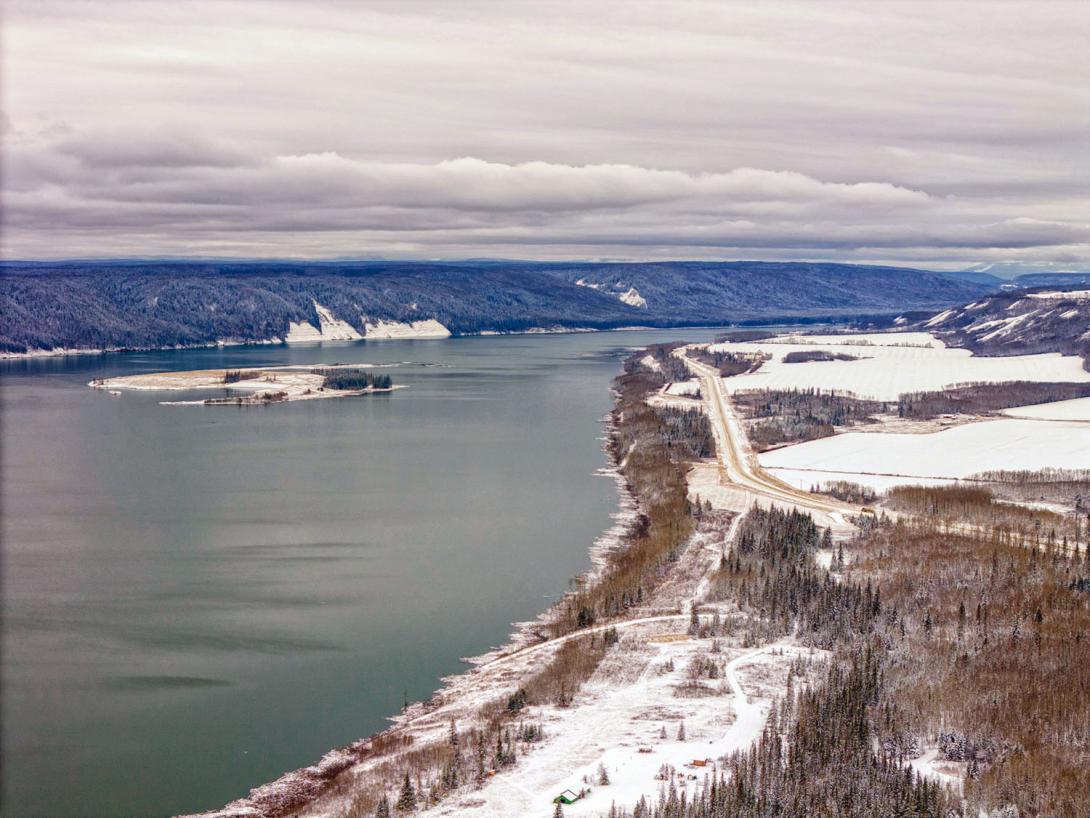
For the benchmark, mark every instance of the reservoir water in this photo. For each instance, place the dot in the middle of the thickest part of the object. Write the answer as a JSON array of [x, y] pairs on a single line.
[[197, 599]]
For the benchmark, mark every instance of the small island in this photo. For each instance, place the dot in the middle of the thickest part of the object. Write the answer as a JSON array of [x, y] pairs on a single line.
[[260, 385]]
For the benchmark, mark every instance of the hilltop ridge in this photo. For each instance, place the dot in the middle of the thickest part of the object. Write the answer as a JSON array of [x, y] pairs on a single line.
[[155, 304]]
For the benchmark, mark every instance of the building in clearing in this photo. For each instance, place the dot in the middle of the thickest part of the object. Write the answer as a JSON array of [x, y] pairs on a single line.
[[566, 797]]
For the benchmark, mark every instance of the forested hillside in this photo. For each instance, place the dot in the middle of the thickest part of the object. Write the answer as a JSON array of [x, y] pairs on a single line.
[[1019, 322], [158, 304]]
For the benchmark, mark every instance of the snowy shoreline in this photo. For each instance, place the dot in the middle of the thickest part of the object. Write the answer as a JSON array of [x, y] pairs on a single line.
[[59, 352], [462, 685], [260, 385]]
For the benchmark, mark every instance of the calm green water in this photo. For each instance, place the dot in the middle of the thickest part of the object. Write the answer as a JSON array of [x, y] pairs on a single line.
[[197, 599]]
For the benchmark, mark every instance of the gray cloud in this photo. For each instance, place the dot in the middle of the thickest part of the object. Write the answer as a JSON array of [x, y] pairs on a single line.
[[941, 134]]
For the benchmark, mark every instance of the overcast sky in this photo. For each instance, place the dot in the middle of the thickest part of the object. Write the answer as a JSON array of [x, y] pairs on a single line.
[[937, 135]]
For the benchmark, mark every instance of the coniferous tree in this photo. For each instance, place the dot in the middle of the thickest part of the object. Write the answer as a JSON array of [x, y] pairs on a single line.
[[406, 801]]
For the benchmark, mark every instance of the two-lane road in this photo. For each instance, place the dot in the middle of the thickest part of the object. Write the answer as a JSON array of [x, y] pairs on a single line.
[[737, 465]]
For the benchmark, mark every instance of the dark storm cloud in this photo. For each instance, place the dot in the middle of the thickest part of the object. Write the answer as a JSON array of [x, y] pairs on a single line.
[[941, 133]]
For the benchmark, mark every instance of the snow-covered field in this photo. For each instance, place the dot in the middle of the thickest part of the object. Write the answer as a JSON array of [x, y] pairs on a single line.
[[891, 363], [883, 460], [684, 388], [1075, 409]]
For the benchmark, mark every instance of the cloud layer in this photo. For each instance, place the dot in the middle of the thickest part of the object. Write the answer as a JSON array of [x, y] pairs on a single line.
[[938, 135]]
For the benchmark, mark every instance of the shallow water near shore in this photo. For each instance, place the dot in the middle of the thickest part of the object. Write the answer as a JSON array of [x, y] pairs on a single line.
[[197, 599]]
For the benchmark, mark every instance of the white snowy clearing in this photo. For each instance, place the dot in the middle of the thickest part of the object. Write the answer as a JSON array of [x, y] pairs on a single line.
[[631, 296], [651, 363], [685, 388], [1054, 295], [882, 460], [1074, 409], [889, 364]]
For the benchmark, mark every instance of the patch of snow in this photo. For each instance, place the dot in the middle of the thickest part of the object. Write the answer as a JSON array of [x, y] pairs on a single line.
[[633, 298], [49, 353], [684, 388], [651, 363], [389, 330], [1074, 409], [930, 766], [938, 319], [1060, 294], [1006, 325], [852, 339]]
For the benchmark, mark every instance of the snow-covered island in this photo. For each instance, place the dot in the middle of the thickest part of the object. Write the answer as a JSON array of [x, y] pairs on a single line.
[[256, 386]]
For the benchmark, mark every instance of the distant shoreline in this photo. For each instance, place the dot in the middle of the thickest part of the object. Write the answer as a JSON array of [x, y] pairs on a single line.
[[784, 320]]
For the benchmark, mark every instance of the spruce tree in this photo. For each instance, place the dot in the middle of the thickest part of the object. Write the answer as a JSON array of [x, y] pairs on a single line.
[[406, 801]]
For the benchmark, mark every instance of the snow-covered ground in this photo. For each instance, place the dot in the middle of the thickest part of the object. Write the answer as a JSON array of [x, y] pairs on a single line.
[[631, 296], [856, 339], [1075, 409], [624, 707], [1054, 295], [930, 766], [883, 460], [891, 363], [684, 388]]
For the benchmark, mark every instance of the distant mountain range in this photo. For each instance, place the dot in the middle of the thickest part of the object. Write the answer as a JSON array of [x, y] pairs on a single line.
[[156, 304]]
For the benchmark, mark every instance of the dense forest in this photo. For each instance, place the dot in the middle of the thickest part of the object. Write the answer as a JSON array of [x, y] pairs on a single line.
[[778, 416], [985, 397], [111, 305], [817, 756], [352, 378], [974, 642]]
